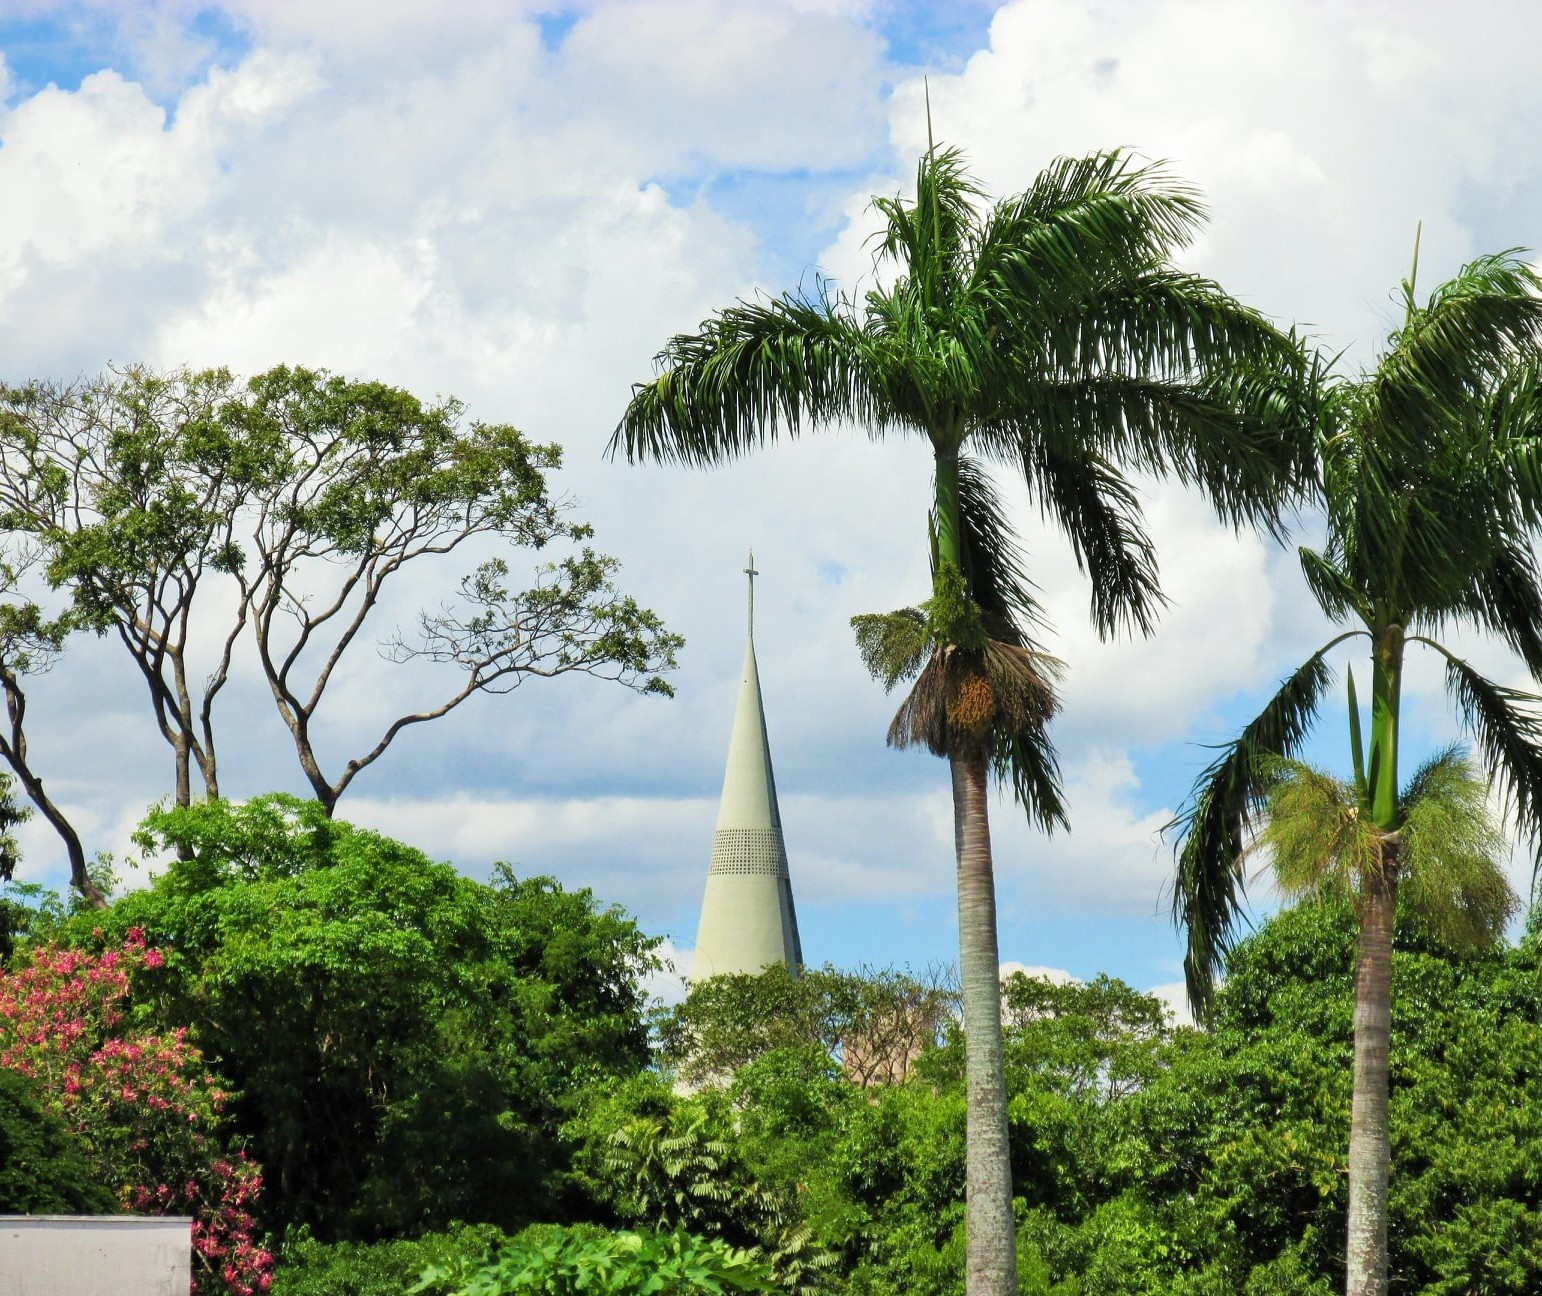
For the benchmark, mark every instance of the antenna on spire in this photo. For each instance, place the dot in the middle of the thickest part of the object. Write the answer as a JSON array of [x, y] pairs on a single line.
[[752, 573]]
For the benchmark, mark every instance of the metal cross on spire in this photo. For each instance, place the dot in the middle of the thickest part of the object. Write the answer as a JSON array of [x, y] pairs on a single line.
[[752, 573]]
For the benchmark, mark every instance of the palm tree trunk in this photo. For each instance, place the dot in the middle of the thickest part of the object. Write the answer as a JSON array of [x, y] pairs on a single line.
[[992, 1236], [1370, 1149]]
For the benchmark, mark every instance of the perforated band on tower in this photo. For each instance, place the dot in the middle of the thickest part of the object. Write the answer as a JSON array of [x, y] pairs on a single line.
[[749, 852]]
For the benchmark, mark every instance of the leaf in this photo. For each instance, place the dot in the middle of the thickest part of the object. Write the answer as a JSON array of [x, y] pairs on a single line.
[[894, 645], [1507, 725], [1212, 826]]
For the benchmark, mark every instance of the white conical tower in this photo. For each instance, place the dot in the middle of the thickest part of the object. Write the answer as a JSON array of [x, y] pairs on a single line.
[[747, 917]]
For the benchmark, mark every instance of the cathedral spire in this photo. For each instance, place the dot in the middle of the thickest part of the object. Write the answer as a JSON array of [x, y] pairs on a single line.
[[747, 916]]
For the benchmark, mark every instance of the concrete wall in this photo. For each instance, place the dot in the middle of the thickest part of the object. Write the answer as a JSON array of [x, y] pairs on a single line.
[[95, 1255]]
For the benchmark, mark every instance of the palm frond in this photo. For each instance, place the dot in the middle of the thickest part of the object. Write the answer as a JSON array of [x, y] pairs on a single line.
[[1334, 593], [1026, 762], [930, 237], [1313, 832], [1099, 512], [1212, 826], [1454, 350], [1507, 727], [994, 567], [1514, 436], [1504, 597], [1083, 223], [1356, 740], [1023, 683], [894, 645], [922, 718], [1453, 853], [1240, 439], [1171, 324], [751, 373], [1440, 777], [1503, 274]]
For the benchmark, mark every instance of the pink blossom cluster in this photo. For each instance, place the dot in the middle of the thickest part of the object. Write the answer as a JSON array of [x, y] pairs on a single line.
[[143, 1105]]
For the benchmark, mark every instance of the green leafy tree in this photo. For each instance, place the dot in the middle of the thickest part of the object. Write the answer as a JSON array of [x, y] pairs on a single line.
[[1431, 495], [403, 1041], [878, 1021], [307, 1267], [30, 644], [1247, 1124], [279, 515], [655, 1161], [1047, 332]]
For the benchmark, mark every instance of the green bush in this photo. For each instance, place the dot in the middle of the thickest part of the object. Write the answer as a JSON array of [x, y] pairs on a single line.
[[403, 1042], [551, 1261], [311, 1268], [43, 1171]]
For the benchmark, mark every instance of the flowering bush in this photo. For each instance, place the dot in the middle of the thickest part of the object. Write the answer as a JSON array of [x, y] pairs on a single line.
[[143, 1106]]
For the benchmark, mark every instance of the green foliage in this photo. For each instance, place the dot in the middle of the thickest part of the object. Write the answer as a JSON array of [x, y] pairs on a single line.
[[277, 516], [672, 1173], [894, 645], [878, 1021], [12, 816], [1455, 852], [737, 1164], [577, 1262], [1150, 1159], [404, 1040], [1318, 840], [1250, 1121], [43, 1169], [27, 910], [307, 1267]]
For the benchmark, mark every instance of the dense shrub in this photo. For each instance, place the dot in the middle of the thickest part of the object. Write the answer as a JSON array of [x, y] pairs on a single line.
[[311, 1268], [404, 1041], [545, 1261], [44, 1169]]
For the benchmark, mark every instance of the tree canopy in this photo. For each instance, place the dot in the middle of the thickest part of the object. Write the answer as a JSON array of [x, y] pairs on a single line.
[[194, 519], [404, 1040]]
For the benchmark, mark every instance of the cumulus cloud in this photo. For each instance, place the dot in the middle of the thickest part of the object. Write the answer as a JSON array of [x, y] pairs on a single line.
[[519, 207], [1055, 976]]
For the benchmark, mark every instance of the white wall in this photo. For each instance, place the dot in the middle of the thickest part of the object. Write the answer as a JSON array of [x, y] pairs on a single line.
[[95, 1255]]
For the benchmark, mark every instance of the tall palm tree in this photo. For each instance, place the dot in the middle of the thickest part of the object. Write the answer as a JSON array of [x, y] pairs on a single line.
[[1431, 486], [1047, 332]]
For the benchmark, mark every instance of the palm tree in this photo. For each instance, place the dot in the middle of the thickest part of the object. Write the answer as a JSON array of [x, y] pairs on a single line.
[[1431, 487], [1047, 332]]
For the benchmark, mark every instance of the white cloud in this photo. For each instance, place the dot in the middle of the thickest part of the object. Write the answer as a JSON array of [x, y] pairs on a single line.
[[669, 984], [1111, 862], [1174, 995], [446, 198], [1318, 134], [1055, 976]]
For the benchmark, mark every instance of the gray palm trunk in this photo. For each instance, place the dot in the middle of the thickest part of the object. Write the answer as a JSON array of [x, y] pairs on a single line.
[[991, 1267], [1370, 1149]]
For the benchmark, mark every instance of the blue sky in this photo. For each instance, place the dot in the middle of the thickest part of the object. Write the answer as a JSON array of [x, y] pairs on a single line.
[[518, 204]]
